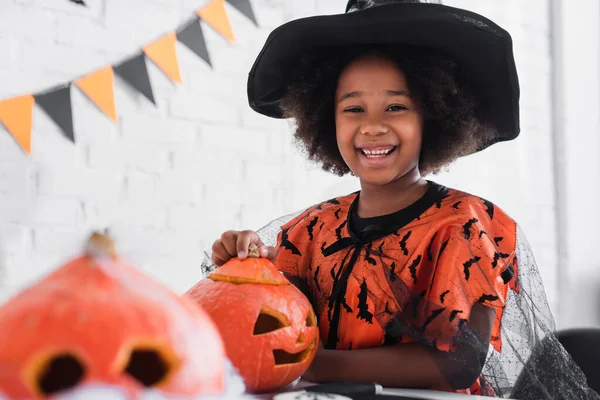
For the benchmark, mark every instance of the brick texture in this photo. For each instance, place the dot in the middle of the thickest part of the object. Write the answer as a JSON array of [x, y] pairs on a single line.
[[169, 179]]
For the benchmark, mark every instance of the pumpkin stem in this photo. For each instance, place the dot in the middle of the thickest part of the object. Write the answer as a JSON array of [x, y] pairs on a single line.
[[253, 251], [100, 246]]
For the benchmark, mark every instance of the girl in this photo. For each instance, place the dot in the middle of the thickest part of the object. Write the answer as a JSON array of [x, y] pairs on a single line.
[[415, 284]]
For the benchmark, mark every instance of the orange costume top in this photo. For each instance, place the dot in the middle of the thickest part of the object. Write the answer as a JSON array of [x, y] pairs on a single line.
[[409, 276]]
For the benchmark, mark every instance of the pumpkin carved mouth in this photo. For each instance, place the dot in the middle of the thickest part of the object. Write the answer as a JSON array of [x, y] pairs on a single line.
[[282, 357]]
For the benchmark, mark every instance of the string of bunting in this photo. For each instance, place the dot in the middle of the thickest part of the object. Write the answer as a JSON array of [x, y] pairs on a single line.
[[16, 113]]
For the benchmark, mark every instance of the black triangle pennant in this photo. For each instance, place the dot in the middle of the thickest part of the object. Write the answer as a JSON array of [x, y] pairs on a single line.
[[57, 104], [135, 72], [192, 37], [245, 8]]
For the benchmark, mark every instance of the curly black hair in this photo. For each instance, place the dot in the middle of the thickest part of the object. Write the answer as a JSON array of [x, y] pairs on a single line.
[[452, 124]]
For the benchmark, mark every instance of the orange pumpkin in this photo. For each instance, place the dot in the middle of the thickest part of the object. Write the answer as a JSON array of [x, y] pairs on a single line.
[[98, 320], [268, 326]]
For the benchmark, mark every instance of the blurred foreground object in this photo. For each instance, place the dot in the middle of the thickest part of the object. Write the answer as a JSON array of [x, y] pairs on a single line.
[[98, 323]]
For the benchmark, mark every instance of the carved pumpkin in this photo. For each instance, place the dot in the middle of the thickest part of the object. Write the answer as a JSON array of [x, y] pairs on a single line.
[[268, 326], [99, 321]]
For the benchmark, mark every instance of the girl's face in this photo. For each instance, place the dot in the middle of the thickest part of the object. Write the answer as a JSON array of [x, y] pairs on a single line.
[[378, 126]]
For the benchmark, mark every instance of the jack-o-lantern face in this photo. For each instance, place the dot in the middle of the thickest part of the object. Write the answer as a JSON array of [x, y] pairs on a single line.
[[267, 324], [97, 320]]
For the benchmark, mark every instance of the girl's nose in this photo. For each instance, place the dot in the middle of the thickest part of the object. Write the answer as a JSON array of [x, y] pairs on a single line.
[[373, 127]]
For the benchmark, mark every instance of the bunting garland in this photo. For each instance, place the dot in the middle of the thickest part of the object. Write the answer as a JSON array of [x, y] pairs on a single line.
[[16, 114]]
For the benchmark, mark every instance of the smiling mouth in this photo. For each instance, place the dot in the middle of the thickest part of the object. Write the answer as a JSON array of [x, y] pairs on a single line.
[[377, 153]]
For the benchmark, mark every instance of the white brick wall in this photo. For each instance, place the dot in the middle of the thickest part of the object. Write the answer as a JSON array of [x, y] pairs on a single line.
[[169, 179]]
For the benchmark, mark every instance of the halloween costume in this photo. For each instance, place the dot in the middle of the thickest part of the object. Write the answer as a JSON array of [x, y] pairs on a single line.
[[418, 274]]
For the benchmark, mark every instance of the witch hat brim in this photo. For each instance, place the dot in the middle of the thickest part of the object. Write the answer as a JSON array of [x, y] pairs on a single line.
[[482, 49]]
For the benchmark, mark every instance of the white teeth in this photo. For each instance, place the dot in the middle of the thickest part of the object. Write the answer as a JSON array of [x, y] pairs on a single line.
[[376, 153]]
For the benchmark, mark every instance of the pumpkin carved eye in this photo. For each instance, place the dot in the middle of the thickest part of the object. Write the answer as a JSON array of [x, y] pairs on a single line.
[[56, 372], [151, 364], [147, 367], [270, 320]]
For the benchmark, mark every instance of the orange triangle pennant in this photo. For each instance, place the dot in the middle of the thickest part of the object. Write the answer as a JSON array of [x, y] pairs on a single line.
[[215, 15], [163, 53], [17, 116], [99, 87]]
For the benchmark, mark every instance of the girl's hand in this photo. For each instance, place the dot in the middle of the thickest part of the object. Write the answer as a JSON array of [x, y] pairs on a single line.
[[235, 244], [311, 374]]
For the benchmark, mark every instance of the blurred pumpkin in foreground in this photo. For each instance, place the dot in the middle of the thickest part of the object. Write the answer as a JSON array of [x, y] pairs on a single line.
[[268, 326], [99, 321]]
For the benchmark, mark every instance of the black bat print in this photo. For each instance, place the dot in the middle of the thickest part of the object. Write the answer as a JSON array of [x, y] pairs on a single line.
[[311, 227], [335, 276], [482, 233], [380, 250], [498, 239], [454, 313], [323, 246], [286, 244], [468, 264], [443, 296], [338, 230], [416, 301], [443, 248], [403, 243], [346, 306], [489, 208], [332, 201], [387, 309], [368, 258], [363, 305], [455, 205], [316, 278], [487, 297], [429, 256], [434, 315], [337, 213], [392, 272], [413, 268], [438, 203], [467, 227], [497, 257]]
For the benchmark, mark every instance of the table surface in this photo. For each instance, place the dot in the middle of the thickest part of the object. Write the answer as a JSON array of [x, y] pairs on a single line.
[[416, 393]]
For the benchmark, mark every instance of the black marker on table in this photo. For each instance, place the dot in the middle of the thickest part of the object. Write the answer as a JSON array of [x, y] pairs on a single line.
[[346, 388]]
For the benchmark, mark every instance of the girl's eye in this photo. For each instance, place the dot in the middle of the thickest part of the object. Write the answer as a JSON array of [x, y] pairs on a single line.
[[397, 107], [353, 109]]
